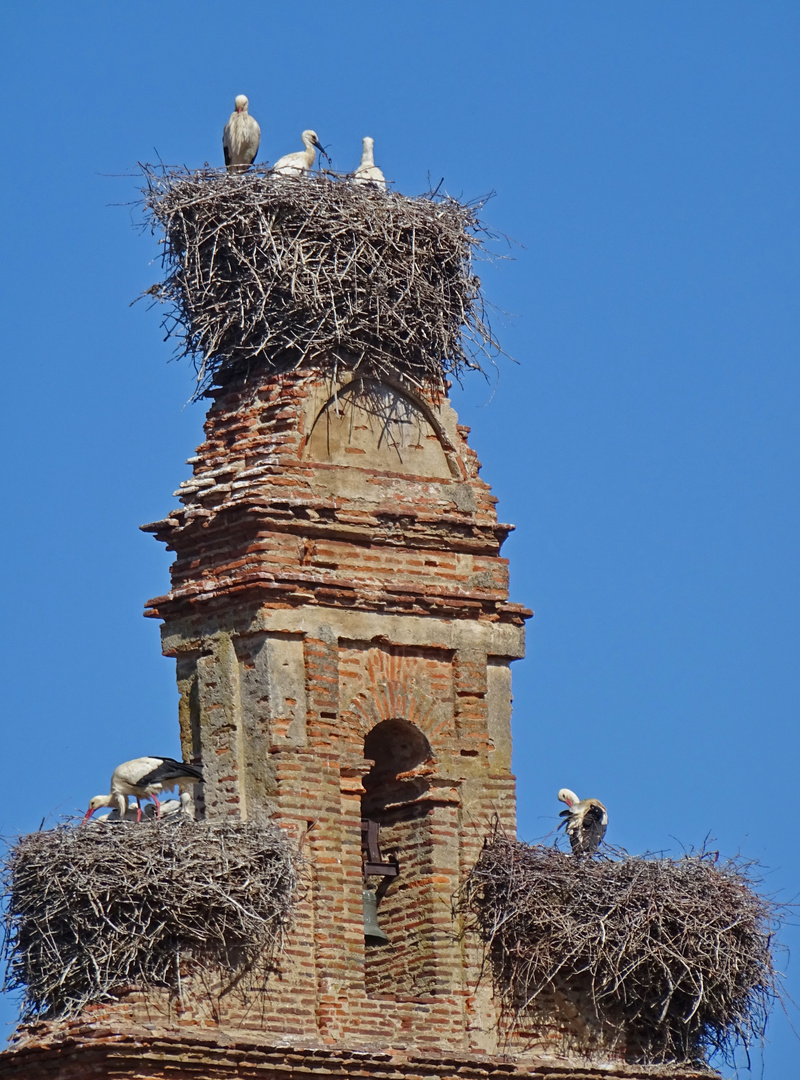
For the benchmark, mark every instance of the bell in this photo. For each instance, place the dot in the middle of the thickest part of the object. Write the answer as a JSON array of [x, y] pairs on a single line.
[[373, 935]]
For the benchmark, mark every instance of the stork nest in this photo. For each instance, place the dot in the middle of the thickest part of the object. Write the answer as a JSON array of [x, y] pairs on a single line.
[[264, 272], [91, 910], [673, 956]]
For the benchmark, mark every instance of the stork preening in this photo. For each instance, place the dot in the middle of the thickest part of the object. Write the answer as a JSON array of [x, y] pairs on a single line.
[[585, 820], [298, 163], [368, 172], [143, 778], [241, 137]]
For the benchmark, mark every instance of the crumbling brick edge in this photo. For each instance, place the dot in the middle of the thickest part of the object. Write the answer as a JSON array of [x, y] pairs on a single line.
[[78, 1051]]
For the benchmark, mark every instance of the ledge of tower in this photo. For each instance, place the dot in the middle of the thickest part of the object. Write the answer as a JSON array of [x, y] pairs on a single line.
[[53, 1049], [357, 493]]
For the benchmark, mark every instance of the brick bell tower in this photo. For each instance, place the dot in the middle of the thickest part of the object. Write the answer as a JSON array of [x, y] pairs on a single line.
[[339, 618], [340, 621], [343, 639]]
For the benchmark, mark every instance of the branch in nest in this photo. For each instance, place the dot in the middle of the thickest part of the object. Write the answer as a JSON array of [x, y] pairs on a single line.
[[265, 272]]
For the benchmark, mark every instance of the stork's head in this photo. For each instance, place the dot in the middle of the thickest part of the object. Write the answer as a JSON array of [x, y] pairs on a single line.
[[568, 797], [96, 803], [309, 138], [119, 802], [368, 144], [241, 103]]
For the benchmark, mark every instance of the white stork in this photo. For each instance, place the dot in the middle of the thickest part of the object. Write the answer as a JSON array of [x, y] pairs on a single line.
[[241, 137], [301, 161], [368, 172], [143, 778], [586, 821]]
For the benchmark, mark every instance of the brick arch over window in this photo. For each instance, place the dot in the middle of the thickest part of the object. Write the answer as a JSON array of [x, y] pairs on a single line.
[[379, 426], [384, 717], [394, 701], [406, 728], [390, 694]]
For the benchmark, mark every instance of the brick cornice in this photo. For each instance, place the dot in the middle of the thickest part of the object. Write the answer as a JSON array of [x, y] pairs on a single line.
[[77, 1050], [263, 515]]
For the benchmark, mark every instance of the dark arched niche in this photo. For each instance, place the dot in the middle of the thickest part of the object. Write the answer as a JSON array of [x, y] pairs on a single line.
[[396, 747], [376, 426]]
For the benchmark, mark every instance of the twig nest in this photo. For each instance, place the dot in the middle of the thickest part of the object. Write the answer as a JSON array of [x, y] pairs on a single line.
[[91, 909], [264, 272], [670, 958]]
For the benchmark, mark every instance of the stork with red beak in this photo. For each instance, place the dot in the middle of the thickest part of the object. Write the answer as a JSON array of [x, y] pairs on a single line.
[[144, 778], [585, 820], [241, 137]]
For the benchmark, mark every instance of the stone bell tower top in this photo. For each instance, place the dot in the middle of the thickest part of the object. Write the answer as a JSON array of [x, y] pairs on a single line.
[[343, 638]]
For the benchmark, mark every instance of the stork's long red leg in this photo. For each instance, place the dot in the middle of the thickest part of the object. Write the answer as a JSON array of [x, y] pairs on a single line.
[[138, 810], [158, 805]]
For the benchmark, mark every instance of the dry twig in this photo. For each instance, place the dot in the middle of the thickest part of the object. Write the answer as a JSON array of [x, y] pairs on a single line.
[[96, 908]]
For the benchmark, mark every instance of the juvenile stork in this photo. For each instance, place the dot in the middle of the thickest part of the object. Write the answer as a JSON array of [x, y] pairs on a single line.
[[586, 821], [143, 778], [368, 172], [241, 137], [298, 163]]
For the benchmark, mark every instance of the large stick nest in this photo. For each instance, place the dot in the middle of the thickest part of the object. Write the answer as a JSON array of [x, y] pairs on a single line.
[[672, 956], [264, 272], [94, 909]]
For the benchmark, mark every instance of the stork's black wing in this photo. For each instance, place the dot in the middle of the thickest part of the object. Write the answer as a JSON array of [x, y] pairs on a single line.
[[227, 153], [593, 829], [170, 769]]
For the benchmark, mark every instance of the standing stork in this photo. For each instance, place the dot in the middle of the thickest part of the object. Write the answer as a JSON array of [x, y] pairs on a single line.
[[298, 163], [368, 172], [143, 778], [241, 137], [586, 821]]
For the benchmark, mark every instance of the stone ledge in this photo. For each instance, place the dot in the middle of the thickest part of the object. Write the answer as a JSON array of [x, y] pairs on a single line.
[[78, 1050]]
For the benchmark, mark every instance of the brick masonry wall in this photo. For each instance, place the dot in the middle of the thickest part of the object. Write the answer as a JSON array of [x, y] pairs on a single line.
[[104, 1051], [317, 594]]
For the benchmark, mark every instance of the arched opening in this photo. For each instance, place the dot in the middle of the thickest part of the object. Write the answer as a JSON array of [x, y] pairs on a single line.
[[396, 747], [394, 798]]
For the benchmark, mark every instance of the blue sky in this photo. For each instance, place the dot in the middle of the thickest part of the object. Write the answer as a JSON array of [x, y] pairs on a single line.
[[645, 161]]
